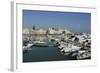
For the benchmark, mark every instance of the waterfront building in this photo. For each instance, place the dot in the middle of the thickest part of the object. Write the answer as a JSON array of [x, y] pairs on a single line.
[[50, 31], [58, 31]]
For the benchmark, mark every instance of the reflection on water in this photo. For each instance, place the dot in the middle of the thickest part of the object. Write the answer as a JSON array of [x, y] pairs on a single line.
[[45, 54]]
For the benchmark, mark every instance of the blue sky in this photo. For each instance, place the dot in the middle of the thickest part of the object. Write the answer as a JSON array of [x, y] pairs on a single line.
[[76, 22]]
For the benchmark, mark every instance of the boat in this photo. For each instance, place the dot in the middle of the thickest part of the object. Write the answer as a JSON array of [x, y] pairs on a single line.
[[27, 47], [66, 50], [40, 44], [83, 54]]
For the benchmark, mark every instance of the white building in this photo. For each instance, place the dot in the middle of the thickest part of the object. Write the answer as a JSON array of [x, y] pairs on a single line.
[[58, 31], [45, 31], [35, 32]]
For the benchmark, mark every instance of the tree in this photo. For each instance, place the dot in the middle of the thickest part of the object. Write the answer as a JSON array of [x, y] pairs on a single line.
[[33, 27], [63, 32], [47, 32]]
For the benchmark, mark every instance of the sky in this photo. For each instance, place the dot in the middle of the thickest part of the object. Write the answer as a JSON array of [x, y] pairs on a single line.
[[74, 21]]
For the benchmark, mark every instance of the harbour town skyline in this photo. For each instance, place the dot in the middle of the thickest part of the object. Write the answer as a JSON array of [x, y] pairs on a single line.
[[76, 22]]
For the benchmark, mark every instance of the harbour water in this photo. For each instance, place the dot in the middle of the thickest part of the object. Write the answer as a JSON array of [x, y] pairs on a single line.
[[38, 54]]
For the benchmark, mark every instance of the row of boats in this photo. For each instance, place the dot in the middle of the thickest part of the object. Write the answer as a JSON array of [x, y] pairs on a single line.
[[76, 45]]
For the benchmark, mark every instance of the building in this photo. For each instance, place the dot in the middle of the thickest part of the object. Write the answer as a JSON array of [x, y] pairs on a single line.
[[50, 31], [30, 31], [58, 31]]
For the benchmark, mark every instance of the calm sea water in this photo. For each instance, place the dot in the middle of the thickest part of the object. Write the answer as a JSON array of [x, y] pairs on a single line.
[[38, 54]]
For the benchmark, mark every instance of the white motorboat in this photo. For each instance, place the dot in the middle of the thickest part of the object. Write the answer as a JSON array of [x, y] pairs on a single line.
[[28, 47], [67, 50], [82, 54]]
